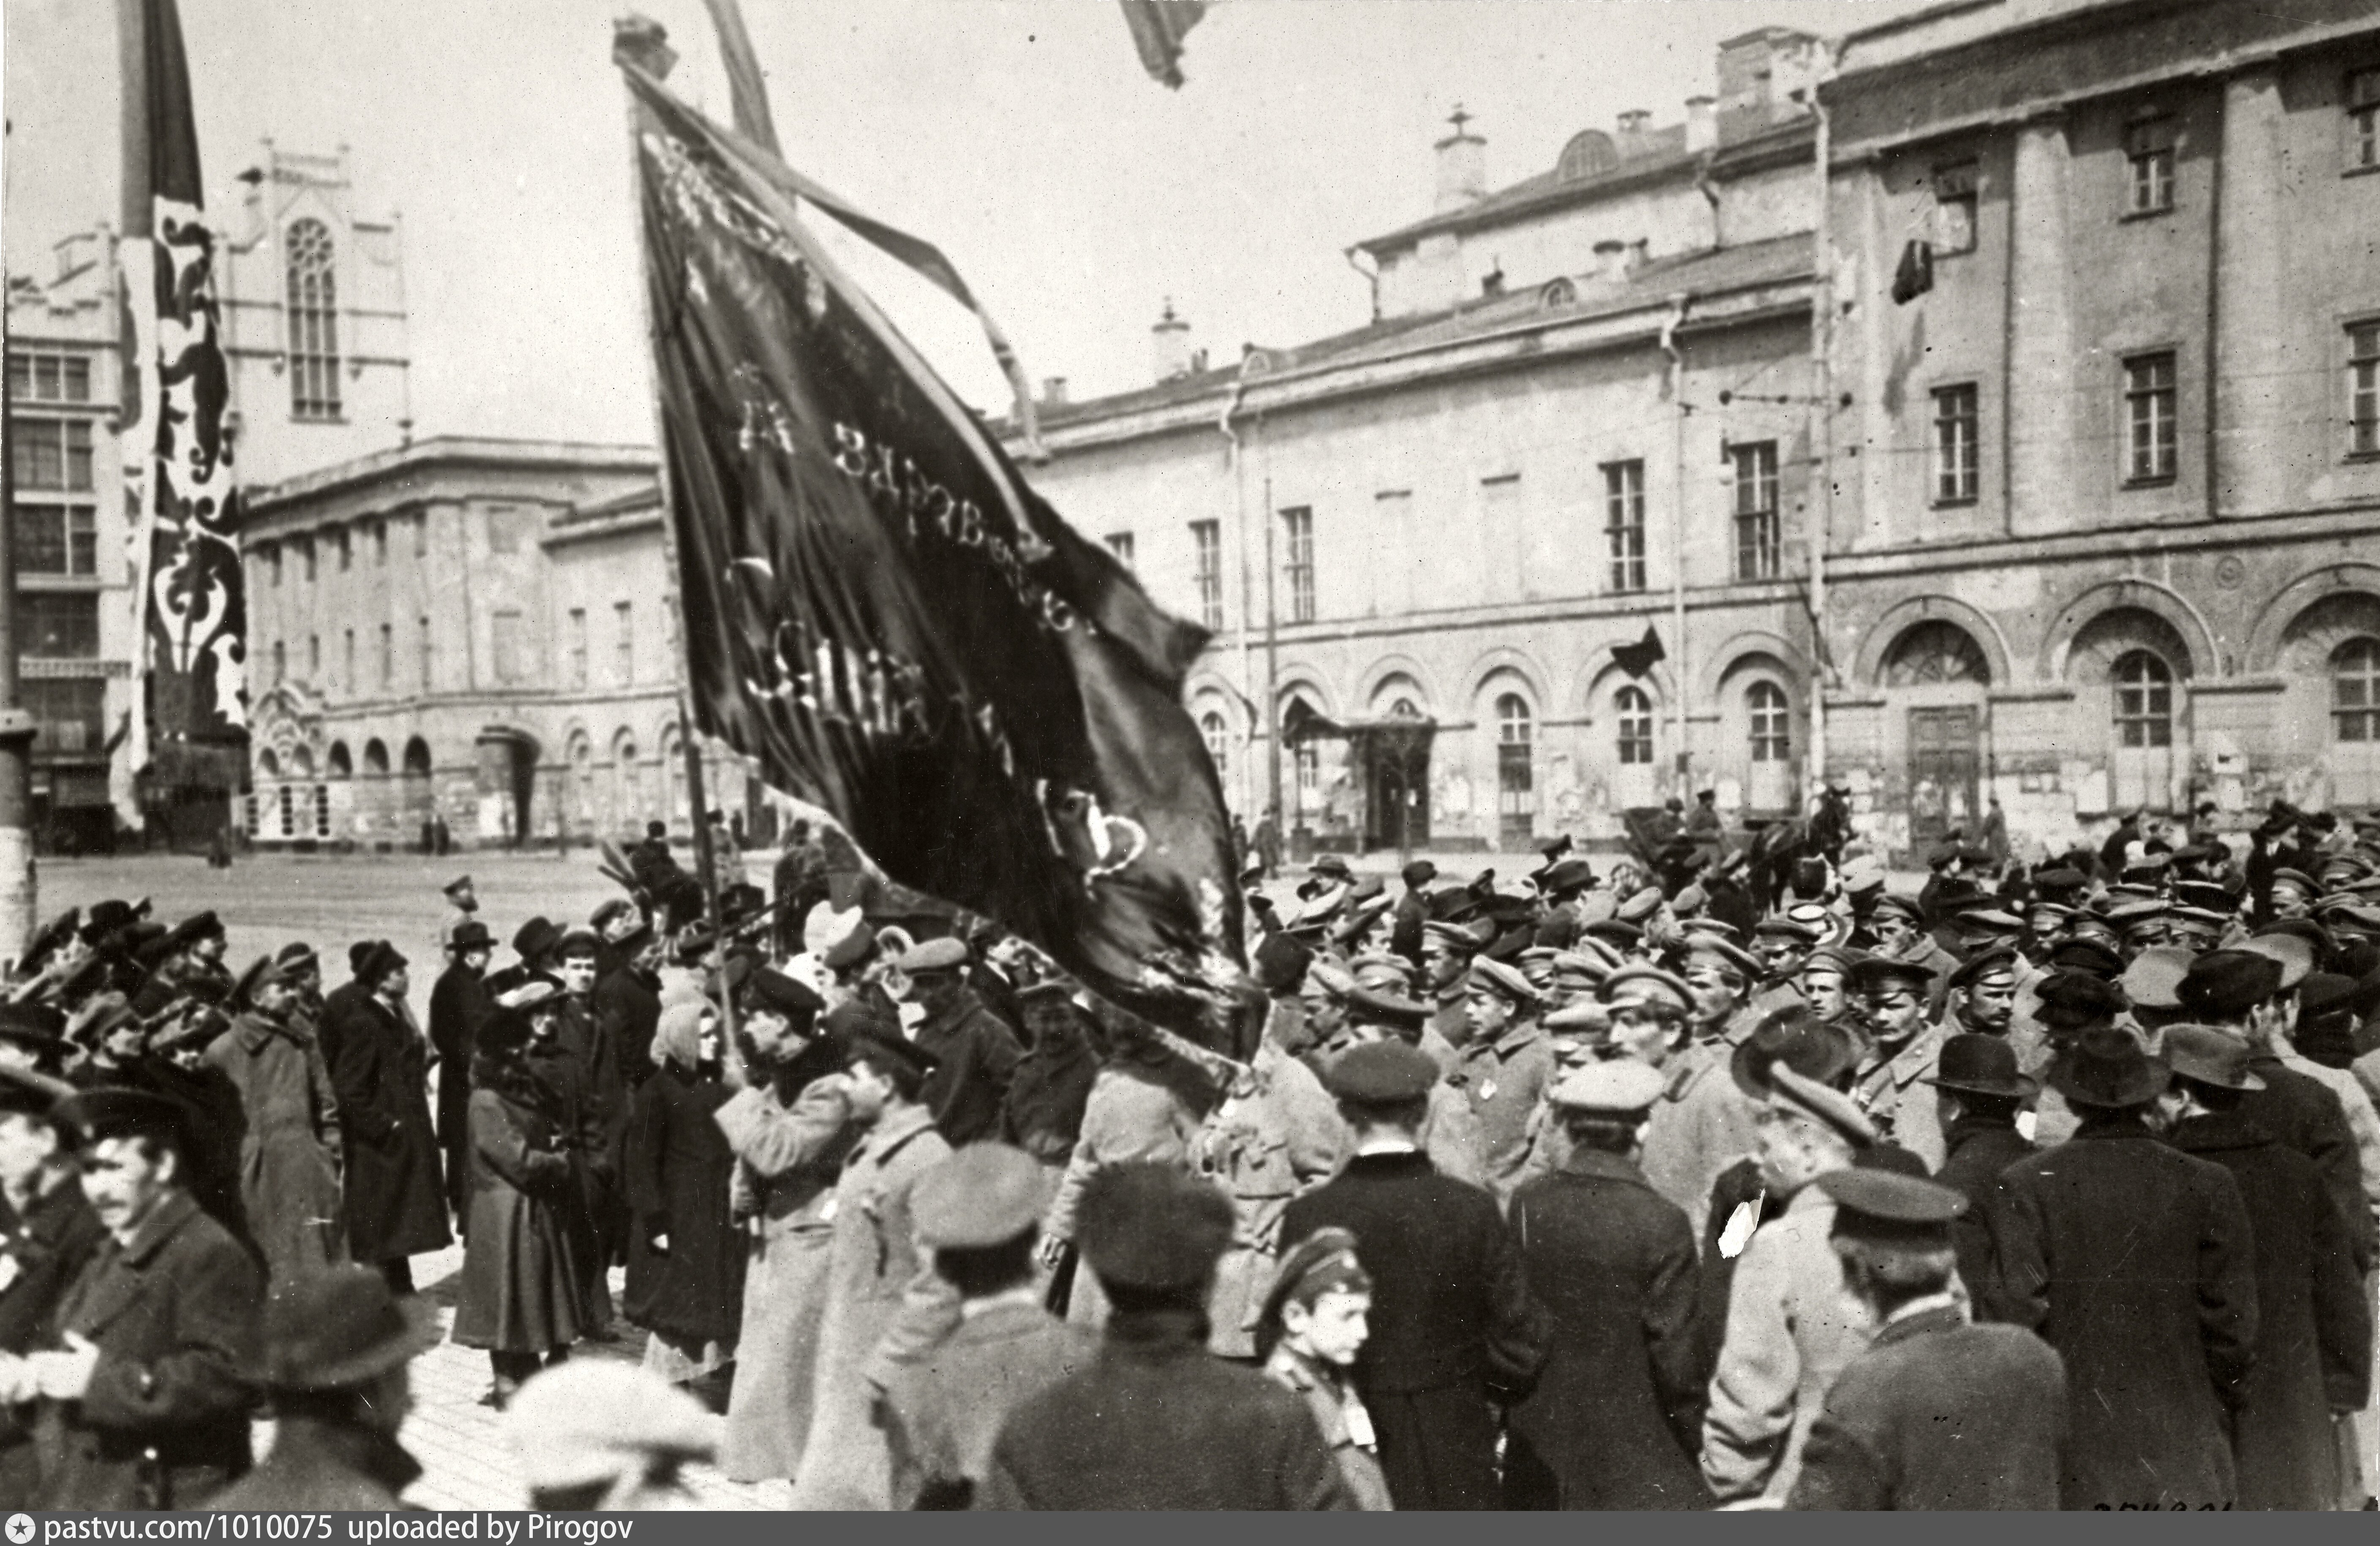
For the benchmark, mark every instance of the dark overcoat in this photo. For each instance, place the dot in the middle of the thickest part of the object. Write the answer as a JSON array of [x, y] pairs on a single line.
[[45, 1249], [2136, 1262], [318, 1467], [1158, 1422], [978, 1055], [1617, 1416], [1979, 1152], [458, 1002], [1939, 1414], [678, 1174], [1453, 1328], [524, 1289], [396, 1191], [627, 1008], [175, 1315], [943, 1411], [289, 1152], [2313, 1323], [2304, 1114]]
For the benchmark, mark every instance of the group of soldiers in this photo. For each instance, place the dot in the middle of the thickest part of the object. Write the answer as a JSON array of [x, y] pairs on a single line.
[[1710, 1178]]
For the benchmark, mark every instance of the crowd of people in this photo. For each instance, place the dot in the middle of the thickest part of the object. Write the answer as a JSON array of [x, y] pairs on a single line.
[[1714, 1176]]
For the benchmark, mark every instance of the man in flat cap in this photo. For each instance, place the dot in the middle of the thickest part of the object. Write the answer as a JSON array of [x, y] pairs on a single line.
[[1157, 1421], [1616, 1417], [1938, 1413], [1453, 1328], [1722, 974], [1898, 927], [396, 1191], [883, 1302], [2137, 1262], [338, 1348], [1503, 1068], [2312, 1355], [289, 1150], [1978, 1093], [144, 1386], [974, 1052], [592, 1435], [1905, 1042], [978, 1211], [1696, 1129], [48, 1233], [1790, 1329]]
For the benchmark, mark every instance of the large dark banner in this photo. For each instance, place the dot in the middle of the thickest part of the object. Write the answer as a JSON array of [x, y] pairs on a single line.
[[881, 610]]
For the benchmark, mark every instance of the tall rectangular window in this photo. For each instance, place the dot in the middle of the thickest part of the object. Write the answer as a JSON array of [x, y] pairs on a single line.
[[1206, 566], [380, 541], [2364, 119], [625, 641], [347, 677], [314, 658], [57, 625], [347, 540], [313, 320], [1297, 538], [2363, 389], [273, 563], [306, 559], [2148, 156], [2151, 433], [1955, 460], [50, 453], [387, 656], [1624, 523], [505, 631], [1120, 543], [427, 657], [421, 535], [1954, 208], [56, 538], [40, 378], [1759, 536], [69, 713], [576, 643]]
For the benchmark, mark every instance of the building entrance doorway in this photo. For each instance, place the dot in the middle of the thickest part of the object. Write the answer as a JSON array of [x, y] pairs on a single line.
[[1945, 759]]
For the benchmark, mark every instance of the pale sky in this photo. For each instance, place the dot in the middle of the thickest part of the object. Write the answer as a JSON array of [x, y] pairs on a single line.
[[1020, 136]]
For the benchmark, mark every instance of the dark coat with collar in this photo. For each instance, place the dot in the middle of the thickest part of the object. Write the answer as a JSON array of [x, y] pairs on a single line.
[[978, 1054], [2313, 1322], [2136, 1262], [1979, 1152], [1158, 1422], [458, 1002], [175, 1315], [943, 1412], [289, 1150], [396, 1190], [42, 1250], [2303, 1113], [1616, 1419], [678, 1173], [1940, 1414], [321, 1466], [1453, 1328]]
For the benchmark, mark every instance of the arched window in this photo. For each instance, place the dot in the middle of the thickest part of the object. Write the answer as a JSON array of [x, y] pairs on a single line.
[[375, 758], [313, 329], [1770, 723], [1633, 715], [1516, 773], [1936, 652], [627, 788], [582, 778], [1217, 737], [341, 767], [2144, 700], [416, 757], [2355, 689], [268, 764]]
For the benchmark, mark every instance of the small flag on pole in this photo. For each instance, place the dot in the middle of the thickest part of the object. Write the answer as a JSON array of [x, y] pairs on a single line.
[[1642, 656], [884, 615], [1158, 28]]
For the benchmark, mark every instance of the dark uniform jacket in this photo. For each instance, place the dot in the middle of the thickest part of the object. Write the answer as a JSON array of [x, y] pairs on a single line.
[[1617, 1416], [1453, 1328], [395, 1187], [2136, 1262], [943, 1411], [2313, 1322], [978, 1054], [458, 1002], [1979, 1152], [318, 1466], [42, 1252], [1939, 1414], [175, 1316], [1158, 1422]]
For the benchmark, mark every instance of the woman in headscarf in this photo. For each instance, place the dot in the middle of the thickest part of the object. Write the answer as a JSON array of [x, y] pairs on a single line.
[[685, 1255], [521, 1292]]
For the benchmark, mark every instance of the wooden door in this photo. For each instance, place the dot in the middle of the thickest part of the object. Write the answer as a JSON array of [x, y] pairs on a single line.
[[1945, 757]]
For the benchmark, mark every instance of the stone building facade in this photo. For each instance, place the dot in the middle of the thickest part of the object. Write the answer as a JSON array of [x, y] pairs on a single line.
[[2100, 531]]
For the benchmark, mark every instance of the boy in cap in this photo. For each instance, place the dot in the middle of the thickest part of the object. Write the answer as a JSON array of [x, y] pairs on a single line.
[[1906, 1041], [145, 1386], [1938, 1413], [48, 1234], [978, 1211], [1313, 1323], [337, 1348], [974, 1052], [2137, 1262], [1156, 1421], [1503, 1068], [1615, 1418], [2313, 1320], [1453, 1328], [1790, 1330]]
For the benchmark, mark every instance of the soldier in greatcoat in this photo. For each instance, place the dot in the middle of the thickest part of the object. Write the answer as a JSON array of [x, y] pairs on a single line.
[[290, 1148]]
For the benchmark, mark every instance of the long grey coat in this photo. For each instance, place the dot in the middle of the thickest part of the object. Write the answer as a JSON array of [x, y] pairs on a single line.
[[289, 1154]]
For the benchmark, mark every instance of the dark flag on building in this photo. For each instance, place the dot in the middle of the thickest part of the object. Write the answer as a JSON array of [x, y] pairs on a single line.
[[881, 613], [178, 452], [1642, 656], [1158, 28], [1915, 274]]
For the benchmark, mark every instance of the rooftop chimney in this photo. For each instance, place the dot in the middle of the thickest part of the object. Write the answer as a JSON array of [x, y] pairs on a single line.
[[1702, 124], [1171, 339], [1633, 122], [1461, 165], [1053, 392], [1611, 262]]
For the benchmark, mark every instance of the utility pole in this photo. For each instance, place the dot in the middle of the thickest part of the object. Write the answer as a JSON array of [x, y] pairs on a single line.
[[1822, 426], [19, 900], [1273, 672]]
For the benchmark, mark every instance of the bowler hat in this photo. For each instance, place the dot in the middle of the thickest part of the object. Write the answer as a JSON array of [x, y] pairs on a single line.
[[341, 1327], [1981, 1066], [1143, 1224], [2207, 1055], [382, 960], [984, 1195], [470, 934], [2108, 1068], [536, 938]]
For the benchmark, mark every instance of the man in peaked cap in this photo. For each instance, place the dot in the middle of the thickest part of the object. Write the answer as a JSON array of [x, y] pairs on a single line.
[[1651, 1014], [289, 1173], [1906, 1043], [974, 1050], [1790, 1329], [1503, 1068], [1616, 1417], [144, 1385], [978, 1211], [1722, 974], [462, 907], [2292, 894], [1453, 1328], [1898, 931], [1978, 1094], [2137, 1262], [1940, 1412], [1155, 1420], [1412, 910], [1982, 993]]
